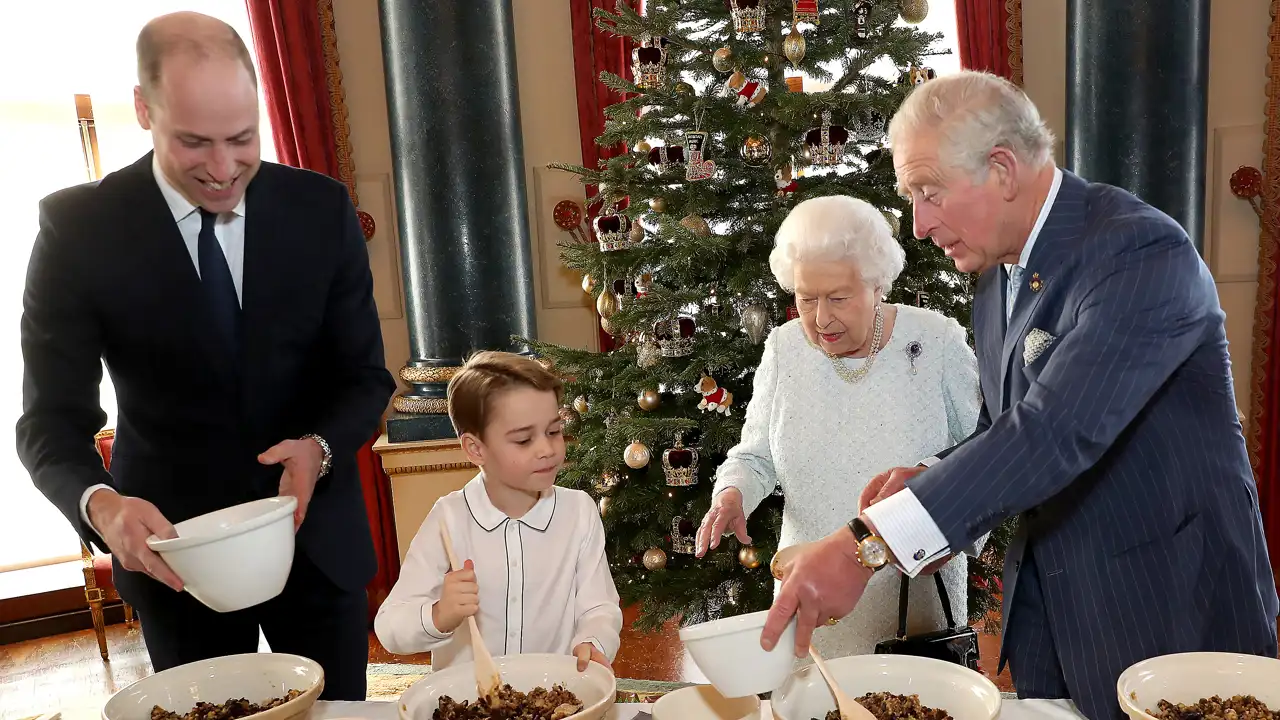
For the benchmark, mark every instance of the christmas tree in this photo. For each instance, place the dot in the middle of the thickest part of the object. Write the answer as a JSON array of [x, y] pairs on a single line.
[[723, 140]]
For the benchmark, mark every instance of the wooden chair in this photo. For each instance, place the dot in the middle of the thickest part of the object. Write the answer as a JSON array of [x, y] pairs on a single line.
[[99, 585]]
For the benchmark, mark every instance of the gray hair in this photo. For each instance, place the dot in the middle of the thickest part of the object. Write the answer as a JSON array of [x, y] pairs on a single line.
[[837, 228], [975, 112]]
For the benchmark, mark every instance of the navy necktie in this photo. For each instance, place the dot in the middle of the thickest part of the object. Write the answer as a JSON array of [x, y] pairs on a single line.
[[215, 278]]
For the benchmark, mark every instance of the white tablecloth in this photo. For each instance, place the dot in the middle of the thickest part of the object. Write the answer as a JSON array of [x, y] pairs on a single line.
[[1009, 710]]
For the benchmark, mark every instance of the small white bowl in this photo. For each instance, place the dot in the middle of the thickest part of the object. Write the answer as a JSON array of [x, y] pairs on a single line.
[[236, 557], [702, 702], [963, 693], [728, 652], [1189, 677], [596, 687], [256, 677]]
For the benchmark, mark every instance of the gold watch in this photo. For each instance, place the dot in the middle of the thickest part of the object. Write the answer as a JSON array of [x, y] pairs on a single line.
[[873, 551]]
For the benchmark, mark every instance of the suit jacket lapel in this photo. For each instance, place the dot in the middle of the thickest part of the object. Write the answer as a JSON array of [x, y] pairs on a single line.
[[261, 225], [173, 269], [988, 332], [1060, 233]]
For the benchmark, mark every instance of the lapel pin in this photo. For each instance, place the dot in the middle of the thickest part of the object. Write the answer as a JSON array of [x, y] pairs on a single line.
[[1036, 284]]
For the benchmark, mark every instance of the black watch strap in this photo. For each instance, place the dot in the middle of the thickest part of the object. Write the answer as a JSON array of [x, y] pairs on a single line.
[[860, 530]]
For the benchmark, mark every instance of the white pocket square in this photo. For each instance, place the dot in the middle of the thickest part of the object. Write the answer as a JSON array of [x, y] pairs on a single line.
[[1034, 346]]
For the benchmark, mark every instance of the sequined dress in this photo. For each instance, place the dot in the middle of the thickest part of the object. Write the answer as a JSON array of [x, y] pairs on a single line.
[[822, 439]]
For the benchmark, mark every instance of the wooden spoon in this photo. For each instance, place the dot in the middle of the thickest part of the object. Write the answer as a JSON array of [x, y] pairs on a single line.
[[849, 708], [488, 679]]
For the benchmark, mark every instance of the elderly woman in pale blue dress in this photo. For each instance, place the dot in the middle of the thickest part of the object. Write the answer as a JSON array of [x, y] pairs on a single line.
[[851, 387]]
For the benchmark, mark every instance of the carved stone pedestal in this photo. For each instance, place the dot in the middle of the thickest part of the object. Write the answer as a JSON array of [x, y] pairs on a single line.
[[421, 473]]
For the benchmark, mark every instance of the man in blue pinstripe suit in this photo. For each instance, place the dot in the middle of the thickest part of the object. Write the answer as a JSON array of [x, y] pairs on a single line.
[[1108, 427]]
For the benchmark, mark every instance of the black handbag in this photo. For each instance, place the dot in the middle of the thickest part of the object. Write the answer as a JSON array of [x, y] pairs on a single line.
[[957, 645]]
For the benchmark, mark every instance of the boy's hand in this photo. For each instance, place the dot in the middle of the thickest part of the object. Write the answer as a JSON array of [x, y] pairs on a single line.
[[586, 653], [459, 600]]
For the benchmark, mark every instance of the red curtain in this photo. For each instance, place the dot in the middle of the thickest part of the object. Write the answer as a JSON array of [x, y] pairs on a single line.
[[594, 51], [298, 62], [286, 36], [989, 33]]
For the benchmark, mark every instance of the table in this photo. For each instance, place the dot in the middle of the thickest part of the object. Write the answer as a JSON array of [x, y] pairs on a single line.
[[1009, 710]]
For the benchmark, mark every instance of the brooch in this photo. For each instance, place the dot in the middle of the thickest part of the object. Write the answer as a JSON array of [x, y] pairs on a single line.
[[913, 351], [1036, 283]]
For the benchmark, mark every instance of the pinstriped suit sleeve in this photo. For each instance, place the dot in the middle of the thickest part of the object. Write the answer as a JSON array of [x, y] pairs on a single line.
[[1142, 316]]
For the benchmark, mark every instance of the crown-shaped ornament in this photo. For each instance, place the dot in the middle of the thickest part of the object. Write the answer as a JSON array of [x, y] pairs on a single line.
[[649, 63], [680, 465], [826, 142], [748, 15], [674, 336], [613, 231], [666, 156], [684, 535]]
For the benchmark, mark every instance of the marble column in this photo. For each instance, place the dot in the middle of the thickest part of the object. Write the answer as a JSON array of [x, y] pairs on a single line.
[[1137, 100], [454, 114]]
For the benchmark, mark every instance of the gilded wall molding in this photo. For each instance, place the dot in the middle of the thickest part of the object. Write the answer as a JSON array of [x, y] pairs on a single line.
[[338, 111], [418, 469], [1013, 23], [1268, 245]]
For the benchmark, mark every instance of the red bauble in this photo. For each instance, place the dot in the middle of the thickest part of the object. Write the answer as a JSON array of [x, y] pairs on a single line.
[[1246, 182], [367, 225], [567, 214]]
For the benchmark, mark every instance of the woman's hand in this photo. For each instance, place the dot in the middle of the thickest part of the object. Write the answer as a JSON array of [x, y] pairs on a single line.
[[725, 514]]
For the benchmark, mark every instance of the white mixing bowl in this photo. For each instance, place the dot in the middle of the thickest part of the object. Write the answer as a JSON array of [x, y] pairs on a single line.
[[596, 687], [256, 677], [1189, 677], [702, 702], [236, 557], [963, 693], [728, 652]]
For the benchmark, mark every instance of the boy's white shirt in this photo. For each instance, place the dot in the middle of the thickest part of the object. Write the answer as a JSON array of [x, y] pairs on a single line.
[[545, 585]]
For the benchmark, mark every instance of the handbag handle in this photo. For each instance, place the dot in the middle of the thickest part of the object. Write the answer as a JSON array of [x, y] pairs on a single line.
[[902, 603]]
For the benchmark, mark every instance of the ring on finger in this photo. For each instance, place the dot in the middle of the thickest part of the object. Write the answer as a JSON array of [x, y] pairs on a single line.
[[832, 621]]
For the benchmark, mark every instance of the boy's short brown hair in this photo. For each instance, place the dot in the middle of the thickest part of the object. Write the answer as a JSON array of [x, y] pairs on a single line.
[[486, 375]]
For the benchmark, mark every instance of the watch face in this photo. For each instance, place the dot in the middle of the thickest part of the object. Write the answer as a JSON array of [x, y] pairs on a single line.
[[874, 552]]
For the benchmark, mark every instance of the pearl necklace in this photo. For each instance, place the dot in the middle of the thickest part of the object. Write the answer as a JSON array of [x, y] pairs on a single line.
[[855, 375]]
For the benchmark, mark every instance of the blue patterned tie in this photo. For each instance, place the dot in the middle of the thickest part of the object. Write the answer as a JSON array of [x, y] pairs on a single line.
[[215, 278], [1015, 282]]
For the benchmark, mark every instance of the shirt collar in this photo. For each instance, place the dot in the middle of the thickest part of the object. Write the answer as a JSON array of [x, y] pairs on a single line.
[[1025, 257], [179, 205], [489, 517]]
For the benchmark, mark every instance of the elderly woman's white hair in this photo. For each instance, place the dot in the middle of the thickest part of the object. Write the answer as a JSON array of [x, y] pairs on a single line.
[[839, 229], [974, 112]]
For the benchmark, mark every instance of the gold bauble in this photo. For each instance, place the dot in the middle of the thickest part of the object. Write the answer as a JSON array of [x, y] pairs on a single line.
[[658, 204], [894, 223], [636, 455], [607, 326], [722, 60], [643, 147], [604, 506], [580, 404], [697, 225], [637, 232], [793, 46], [588, 284], [649, 399], [756, 151], [607, 304], [749, 556], [914, 11], [654, 559], [683, 88]]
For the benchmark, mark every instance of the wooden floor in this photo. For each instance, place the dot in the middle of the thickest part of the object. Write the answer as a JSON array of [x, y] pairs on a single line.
[[65, 672]]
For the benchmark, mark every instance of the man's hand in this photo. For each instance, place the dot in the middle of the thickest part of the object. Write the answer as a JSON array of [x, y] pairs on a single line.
[[459, 599], [889, 482], [125, 523], [725, 514], [587, 653], [301, 460], [824, 581]]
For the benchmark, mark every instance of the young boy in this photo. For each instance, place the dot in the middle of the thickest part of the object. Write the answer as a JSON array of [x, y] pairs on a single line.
[[535, 575]]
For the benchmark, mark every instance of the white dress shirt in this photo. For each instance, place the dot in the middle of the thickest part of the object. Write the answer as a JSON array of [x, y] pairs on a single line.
[[900, 519], [545, 585], [229, 230]]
